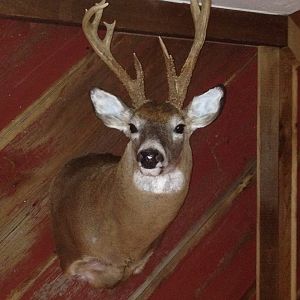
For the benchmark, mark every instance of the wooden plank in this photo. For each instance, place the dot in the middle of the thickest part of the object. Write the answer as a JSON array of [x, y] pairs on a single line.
[[294, 34], [288, 168], [296, 17], [267, 173], [192, 238], [32, 57], [40, 106], [294, 45], [277, 160], [159, 18]]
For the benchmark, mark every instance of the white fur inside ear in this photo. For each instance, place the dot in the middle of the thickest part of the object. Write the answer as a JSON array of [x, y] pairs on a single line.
[[205, 108], [105, 103], [113, 112]]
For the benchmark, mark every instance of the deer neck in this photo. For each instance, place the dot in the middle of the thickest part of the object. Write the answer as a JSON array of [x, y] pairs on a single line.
[[131, 194], [144, 215]]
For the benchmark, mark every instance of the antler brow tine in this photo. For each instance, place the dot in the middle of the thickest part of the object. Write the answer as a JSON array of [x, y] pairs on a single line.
[[178, 84], [90, 25]]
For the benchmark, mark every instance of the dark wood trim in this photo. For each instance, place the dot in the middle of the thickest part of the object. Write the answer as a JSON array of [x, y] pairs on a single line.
[[294, 34], [288, 163], [267, 173], [158, 18], [296, 17], [276, 174]]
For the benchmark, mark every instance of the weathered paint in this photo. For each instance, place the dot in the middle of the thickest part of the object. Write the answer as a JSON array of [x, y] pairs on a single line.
[[15, 163], [33, 56]]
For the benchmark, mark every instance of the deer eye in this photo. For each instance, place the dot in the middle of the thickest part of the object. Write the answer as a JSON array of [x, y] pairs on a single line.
[[179, 128], [133, 128]]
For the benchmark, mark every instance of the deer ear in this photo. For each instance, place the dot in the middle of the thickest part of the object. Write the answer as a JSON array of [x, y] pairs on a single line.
[[112, 111], [205, 108]]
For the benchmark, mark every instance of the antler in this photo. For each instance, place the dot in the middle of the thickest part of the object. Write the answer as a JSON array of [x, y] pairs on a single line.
[[135, 87], [178, 84]]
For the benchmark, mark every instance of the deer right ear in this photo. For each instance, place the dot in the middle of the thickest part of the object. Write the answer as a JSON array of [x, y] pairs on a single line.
[[205, 108], [112, 111]]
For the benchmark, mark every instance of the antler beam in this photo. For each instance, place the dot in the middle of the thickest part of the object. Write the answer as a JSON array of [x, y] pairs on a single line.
[[178, 84], [90, 25]]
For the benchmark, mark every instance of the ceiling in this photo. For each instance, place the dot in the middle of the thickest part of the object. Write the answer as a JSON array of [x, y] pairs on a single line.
[[278, 7]]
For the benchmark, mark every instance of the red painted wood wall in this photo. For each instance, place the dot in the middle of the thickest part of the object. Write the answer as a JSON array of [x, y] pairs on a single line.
[[35, 56]]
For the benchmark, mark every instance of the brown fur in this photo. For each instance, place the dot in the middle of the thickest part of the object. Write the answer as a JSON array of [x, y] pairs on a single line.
[[159, 112], [93, 197]]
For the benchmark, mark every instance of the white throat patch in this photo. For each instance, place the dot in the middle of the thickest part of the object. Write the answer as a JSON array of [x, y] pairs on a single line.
[[167, 183]]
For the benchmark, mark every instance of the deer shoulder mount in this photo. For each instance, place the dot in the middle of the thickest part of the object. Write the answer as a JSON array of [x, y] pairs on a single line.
[[109, 212]]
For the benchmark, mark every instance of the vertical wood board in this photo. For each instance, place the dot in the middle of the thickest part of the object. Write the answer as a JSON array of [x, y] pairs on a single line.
[[276, 178], [267, 173]]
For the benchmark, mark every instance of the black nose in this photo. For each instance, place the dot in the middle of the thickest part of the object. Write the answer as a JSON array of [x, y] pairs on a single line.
[[149, 158]]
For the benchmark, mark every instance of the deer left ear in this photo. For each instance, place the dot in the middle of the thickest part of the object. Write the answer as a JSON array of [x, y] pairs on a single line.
[[204, 109], [112, 111]]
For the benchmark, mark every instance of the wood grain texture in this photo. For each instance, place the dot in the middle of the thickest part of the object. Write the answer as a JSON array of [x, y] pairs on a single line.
[[267, 173], [277, 180], [67, 128], [40, 106], [159, 18], [294, 34], [288, 165], [33, 57], [296, 17]]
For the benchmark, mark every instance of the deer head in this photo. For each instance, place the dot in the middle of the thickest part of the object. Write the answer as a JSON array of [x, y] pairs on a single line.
[[157, 131]]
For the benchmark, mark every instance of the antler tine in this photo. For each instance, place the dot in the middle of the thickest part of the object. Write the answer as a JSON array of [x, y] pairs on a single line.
[[90, 25], [171, 74], [178, 84]]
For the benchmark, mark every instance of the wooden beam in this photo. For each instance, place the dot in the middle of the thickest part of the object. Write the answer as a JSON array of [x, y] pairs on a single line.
[[267, 172], [296, 17], [158, 18], [277, 174], [288, 162], [294, 34]]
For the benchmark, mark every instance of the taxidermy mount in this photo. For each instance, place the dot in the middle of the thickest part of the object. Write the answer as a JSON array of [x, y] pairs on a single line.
[[109, 212]]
